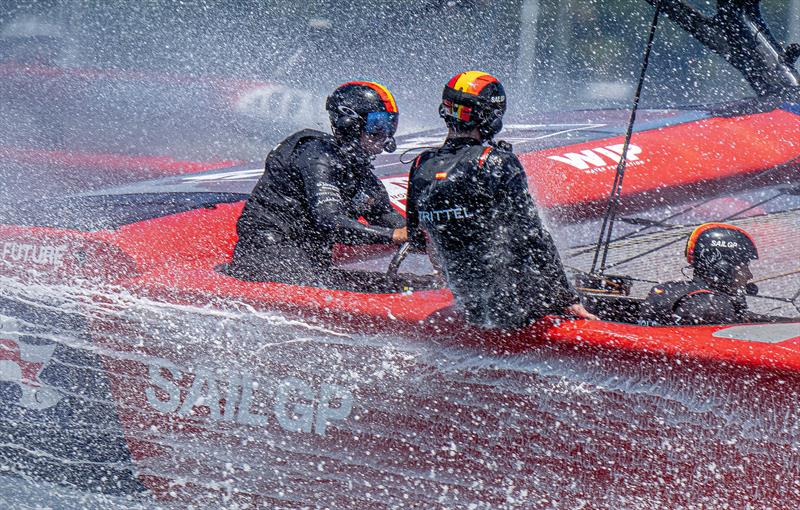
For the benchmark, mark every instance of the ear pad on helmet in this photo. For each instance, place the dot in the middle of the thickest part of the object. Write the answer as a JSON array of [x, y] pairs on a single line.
[[495, 125], [712, 264], [723, 270], [491, 123], [347, 120], [390, 145]]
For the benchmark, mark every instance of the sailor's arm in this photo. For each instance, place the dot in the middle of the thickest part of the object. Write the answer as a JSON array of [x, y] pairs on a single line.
[[752, 317], [705, 307], [381, 211], [317, 165], [532, 232], [415, 233]]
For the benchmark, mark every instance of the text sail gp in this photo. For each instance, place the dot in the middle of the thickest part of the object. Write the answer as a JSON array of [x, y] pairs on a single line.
[[297, 406]]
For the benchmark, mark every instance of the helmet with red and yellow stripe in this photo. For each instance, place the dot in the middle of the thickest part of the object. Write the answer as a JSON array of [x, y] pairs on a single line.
[[474, 99], [362, 106]]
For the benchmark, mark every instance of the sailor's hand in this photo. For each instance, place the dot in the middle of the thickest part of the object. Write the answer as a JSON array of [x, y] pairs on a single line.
[[400, 235], [580, 312]]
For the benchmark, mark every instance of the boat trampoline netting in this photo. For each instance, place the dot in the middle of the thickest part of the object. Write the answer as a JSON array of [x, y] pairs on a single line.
[[651, 257]]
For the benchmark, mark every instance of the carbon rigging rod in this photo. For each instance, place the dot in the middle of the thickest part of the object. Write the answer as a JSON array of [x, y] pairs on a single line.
[[792, 163], [794, 300], [788, 190], [673, 241], [729, 217], [604, 239]]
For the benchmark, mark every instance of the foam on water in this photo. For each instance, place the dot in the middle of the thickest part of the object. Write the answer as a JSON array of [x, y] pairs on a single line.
[[428, 424]]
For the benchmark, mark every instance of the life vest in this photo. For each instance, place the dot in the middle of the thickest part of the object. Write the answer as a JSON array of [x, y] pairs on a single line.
[[280, 158], [659, 307]]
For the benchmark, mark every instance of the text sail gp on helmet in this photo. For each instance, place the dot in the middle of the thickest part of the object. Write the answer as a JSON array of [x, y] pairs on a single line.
[[364, 107], [474, 99], [718, 251]]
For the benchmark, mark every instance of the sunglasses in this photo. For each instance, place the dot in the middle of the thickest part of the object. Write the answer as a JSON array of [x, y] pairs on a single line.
[[381, 123]]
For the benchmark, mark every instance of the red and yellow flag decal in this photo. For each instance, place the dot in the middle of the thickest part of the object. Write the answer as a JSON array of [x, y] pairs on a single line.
[[471, 82]]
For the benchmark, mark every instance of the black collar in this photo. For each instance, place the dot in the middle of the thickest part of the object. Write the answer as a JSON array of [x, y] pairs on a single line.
[[460, 141]]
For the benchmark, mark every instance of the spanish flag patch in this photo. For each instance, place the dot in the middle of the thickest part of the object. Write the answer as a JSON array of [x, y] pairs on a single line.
[[441, 176]]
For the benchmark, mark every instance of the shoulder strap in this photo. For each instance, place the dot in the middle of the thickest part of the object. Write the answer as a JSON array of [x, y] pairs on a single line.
[[484, 156], [307, 134], [682, 290], [662, 300], [285, 151]]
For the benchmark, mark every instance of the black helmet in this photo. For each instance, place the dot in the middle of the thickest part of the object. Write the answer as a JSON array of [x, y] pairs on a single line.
[[718, 250], [362, 106], [474, 99]]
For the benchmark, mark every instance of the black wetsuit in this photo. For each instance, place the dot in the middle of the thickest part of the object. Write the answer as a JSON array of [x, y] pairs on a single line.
[[694, 303], [499, 261], [311, 196]]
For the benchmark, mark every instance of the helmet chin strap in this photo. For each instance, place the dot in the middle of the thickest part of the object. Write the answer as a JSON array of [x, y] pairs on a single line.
[[721, 277]]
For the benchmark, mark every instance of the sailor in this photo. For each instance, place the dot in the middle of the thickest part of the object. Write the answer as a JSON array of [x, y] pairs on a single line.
[[314, 190], [720, 256], [469, 199]]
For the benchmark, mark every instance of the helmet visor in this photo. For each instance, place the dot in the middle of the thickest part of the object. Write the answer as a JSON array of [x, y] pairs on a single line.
[[381, 123]]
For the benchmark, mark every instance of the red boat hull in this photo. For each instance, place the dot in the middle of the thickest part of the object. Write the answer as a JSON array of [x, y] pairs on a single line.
[[215, 391]]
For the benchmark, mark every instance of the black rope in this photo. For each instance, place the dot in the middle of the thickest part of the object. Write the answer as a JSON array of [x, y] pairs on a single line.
[[616, 189], [741, 187], [670, 243], [420, 149]]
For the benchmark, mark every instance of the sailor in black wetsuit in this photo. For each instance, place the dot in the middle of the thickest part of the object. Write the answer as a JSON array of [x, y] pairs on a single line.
[[471, 201], [720, 255], [315, 188]]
